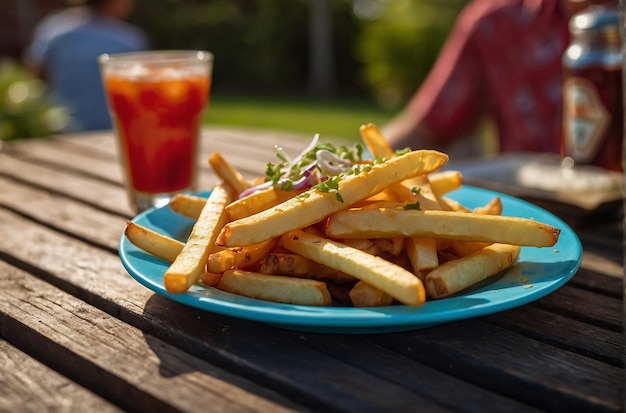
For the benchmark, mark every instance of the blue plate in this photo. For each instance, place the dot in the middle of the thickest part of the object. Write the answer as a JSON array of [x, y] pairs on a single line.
[[538, 272]]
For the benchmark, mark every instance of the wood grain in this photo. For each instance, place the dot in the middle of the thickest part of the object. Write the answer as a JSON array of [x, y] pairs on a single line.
[[77, 333]]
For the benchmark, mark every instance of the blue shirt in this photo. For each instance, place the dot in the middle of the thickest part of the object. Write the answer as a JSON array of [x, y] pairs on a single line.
[[69, 59]]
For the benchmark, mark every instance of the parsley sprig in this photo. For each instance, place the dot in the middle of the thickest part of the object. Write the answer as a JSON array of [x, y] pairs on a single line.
[[416, 205]]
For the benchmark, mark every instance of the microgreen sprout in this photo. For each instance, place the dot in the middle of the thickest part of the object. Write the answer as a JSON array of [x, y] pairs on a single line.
[[331, 185], [320, 165], [404, 151]]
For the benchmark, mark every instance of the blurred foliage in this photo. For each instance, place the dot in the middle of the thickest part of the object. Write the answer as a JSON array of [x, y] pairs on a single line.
[[262, 45], [336, 118], [258, 44], [382, 49], [25, 109], [398, 48]]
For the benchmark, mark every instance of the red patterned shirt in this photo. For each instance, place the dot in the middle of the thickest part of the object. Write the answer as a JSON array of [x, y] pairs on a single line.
[[502, 59]]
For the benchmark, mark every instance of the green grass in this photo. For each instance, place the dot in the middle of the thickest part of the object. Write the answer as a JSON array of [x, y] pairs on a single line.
[[338, 118]]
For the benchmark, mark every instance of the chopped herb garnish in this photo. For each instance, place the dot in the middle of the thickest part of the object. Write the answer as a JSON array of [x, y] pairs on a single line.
[[330, 185], [286, 185], [414, 190], [272, 173], [404, 151], [303, 196], [319, 162]]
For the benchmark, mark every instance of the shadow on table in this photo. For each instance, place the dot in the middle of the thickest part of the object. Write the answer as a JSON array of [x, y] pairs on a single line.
[[184, 349]]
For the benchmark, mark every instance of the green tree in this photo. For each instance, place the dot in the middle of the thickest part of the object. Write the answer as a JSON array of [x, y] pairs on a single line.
[[265, 45], [26, 110], [258, 44], [399, 46]]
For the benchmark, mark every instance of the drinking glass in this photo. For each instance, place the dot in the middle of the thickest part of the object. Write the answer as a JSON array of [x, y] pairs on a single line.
[[156, 100]]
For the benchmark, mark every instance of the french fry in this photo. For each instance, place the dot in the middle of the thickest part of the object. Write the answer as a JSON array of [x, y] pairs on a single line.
[[258, 201], [378, 146], [228, 173], [463, 248], [494, 207], [386, 195], [211, 278], [443, 182], [417, 191], [448, 204], [191, 205], [365, 295], [301, 212], [239, 257], [380, 234], [152, 242], [275, 288], [189, 265], [422, 253], [386, 248], [374, 204], [187, 205], [380, 273], [457, 275], [387, 222], [295, 265], [375, 141]]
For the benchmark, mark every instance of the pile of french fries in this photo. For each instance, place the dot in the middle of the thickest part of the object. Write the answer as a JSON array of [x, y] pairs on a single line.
[[392, 237]]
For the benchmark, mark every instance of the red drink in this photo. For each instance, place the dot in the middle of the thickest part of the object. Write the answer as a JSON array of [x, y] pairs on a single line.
[[158, 122], [156, 100]]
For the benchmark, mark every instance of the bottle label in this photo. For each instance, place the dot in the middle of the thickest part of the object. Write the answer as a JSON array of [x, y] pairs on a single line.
[[585, 119]]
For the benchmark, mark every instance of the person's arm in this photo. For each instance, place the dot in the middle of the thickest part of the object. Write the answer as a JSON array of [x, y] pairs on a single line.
[[452, 99], [406, 130]]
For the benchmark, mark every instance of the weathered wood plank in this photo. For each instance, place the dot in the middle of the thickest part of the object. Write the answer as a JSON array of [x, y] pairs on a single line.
[[213, 137], [94, 154], [599, 273], [555, 329], [61, 214], [100, 163], [120, 362], [576, 346], [98, 194], [110, 284], [96, 349], [63, 154], [29, 386], [547, 377], [600, 310], [452, 392], [98, 277], [350, 356]]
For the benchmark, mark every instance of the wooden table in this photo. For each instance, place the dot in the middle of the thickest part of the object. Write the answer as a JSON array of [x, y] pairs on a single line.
[[79, 334]]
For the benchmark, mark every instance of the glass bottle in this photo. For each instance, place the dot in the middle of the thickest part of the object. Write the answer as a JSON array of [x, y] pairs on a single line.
[[592, 90]]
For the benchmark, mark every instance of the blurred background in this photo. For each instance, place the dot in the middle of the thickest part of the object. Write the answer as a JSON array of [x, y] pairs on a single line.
[[307, 66]]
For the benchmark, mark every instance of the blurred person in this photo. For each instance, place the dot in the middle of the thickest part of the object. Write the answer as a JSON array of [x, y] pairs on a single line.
[[501, 61], [64, 51]]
